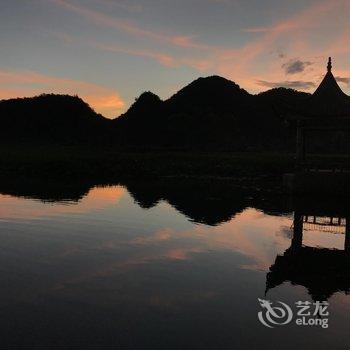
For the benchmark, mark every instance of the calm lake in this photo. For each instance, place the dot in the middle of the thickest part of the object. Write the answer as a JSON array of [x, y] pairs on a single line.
[[170, 268]]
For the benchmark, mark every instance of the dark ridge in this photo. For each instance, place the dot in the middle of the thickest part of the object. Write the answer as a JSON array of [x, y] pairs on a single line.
[[48, 106], [144, 106], [283, 94], [281, 100], [213, 93], [210, 113], [50, 118]]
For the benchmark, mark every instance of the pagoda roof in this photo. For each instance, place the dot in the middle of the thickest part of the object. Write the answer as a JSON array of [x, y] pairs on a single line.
[[328, 101]]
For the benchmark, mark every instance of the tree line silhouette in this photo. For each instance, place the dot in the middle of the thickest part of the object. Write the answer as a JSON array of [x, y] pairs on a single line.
[[210, 113]]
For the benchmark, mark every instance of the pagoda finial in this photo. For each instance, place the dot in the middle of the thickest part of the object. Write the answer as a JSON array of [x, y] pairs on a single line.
[[329, 66]]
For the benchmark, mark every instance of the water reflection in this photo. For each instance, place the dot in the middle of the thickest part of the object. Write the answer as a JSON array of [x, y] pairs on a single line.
[[96, 198], [209, 202], [323, 271], [145, 264]]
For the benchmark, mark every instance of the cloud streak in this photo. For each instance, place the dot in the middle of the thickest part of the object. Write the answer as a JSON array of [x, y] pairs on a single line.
[[185, 41], [162, 58], [299, 35], [237, 63], [295, 66], [344, 80], [124, 5], [295, 84], [253, 63]]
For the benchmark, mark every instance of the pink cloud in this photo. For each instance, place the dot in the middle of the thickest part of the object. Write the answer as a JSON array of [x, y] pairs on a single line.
[[256, 30], [297, 36], [162, 58], [253, 61], [101, 19]]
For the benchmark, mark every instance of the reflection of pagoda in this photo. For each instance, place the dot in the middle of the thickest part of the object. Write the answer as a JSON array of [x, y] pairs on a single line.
[[322, 271]]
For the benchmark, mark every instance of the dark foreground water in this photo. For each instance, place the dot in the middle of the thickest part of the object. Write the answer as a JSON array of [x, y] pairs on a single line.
[[118, 268]]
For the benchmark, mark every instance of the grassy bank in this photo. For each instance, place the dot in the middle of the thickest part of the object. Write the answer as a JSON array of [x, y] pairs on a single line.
[[108, 163]]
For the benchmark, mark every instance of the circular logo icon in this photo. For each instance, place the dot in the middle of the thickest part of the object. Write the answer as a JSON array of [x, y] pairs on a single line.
[[274, 315]]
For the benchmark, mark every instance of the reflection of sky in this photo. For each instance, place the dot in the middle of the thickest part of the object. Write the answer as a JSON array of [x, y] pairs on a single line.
[[107, 252], [167, 232], [107, 220], [17, 208], [109, 51]]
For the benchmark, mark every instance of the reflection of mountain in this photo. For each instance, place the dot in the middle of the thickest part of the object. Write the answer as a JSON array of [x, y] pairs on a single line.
[[31, 208], [46, 191], [322, 271], [203, 201]]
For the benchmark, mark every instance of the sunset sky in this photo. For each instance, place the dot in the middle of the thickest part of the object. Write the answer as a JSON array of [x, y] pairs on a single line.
[[110, 51]]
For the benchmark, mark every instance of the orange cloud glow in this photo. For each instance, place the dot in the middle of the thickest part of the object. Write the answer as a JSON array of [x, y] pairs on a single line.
[[26, 83]]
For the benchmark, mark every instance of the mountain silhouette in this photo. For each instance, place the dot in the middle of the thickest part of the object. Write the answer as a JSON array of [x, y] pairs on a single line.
[[145, 106], [50, 118], [210, 113], [211, 94]]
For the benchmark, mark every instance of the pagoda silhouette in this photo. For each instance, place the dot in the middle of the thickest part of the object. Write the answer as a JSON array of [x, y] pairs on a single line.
[[322, 142]]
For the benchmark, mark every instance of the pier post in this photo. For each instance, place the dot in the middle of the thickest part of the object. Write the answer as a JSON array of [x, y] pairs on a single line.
[[300, 151], [297, 241], [347, 234]]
